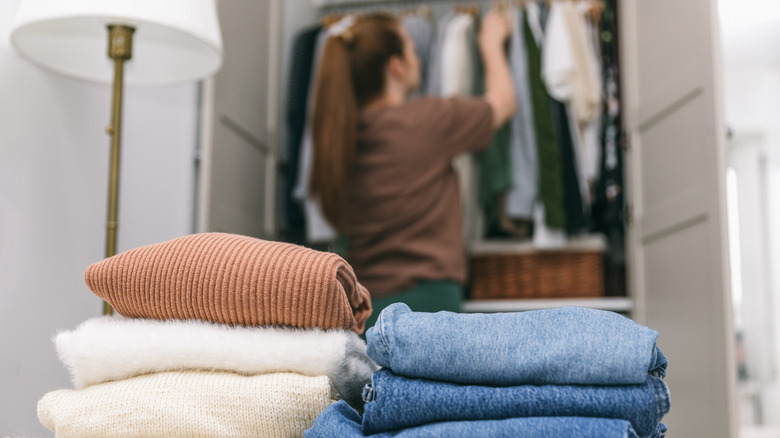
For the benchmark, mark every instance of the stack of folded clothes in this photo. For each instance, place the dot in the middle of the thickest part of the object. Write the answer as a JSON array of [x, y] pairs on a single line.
[[220, 336], [567, 372]]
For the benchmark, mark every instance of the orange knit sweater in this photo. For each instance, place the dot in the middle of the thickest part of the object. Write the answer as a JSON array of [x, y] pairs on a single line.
[[235, 280]]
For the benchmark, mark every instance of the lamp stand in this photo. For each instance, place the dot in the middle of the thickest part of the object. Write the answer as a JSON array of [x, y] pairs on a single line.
[[120, 49]]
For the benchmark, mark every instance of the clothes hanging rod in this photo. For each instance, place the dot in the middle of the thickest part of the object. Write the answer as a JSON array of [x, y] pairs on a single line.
[[327, 5]]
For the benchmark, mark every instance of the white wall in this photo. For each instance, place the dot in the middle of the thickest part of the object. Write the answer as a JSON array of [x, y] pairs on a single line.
[[53, 189], [752, 81]]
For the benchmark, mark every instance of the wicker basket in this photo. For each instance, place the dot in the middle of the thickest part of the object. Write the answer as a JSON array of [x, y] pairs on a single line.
[[565, 273]]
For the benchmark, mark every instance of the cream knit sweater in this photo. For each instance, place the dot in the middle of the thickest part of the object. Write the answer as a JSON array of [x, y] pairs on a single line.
[[189, 404]]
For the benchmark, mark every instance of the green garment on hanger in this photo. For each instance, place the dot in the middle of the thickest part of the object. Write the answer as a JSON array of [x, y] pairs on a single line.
[[551, 191], [495, 162], [495, 173]]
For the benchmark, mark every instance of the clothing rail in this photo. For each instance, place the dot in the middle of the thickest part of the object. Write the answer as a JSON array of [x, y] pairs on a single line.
[[342, 5], [325, 4], [357, 4]]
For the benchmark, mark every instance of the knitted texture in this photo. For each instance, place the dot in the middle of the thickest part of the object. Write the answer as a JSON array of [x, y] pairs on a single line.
[[114, 348], [188, 404], [235, 280]]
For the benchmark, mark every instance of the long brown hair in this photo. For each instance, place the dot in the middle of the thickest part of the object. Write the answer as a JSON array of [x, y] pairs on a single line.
[[352, 74]]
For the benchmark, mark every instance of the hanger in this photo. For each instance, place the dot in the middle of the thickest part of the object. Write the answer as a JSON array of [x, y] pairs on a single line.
[[330, 19], [500, 6], [504, 5], [596, 11], [472, 10], [425, 12]]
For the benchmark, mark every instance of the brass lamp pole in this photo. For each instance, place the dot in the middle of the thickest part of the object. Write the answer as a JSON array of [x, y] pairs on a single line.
[[184, 44], [120, 49]]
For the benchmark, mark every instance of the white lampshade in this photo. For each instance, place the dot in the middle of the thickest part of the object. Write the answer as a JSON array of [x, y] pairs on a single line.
[[174, 40]]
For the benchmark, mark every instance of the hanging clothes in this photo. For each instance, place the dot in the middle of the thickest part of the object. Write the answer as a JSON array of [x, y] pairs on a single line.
[[576, 222], [525, 163], [550, 211], [495, 179], [558, 71], [557, 59], [609, 203], [594, 40], [495, 169], [458, 77], [590, 128], [496, 175], [578, 153], [433, 83], [458, 70], [535, 16], [298, 87], [586, 89], [318, 230], [572, 78], [422, 32]]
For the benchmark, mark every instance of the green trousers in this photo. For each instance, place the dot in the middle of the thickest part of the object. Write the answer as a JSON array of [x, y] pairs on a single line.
[[425, 296]]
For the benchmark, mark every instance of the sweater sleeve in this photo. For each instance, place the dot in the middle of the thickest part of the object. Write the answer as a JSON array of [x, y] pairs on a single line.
[[462, 124]]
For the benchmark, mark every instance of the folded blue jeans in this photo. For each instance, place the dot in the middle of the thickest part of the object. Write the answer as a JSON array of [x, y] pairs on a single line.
[[342, 421], [397, 402], [568, 345]]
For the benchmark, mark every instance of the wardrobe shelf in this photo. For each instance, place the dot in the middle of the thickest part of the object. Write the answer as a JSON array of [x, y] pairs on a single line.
[[591, 242], [615, 304]]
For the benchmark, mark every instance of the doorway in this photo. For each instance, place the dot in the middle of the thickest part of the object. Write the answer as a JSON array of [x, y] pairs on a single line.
[[750, 32]]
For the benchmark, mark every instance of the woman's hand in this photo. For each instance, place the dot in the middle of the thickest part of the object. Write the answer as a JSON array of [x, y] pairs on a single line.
[[495, 30], [499, 89]]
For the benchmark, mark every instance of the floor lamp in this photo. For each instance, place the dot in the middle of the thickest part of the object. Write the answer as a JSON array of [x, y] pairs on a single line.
[[168, 41]]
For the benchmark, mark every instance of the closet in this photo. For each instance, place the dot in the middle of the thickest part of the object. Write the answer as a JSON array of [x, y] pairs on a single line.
[[673, 145]]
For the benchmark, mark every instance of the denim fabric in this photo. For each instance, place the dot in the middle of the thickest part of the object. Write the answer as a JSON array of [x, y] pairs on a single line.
[[400, 402], [568, 345], [339, 420]]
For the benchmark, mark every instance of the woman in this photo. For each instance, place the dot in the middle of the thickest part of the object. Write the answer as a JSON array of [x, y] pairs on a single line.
[[382, 167]]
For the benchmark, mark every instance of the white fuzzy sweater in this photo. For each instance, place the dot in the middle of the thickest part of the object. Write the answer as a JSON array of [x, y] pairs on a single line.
[[113, 348], [189, 404]]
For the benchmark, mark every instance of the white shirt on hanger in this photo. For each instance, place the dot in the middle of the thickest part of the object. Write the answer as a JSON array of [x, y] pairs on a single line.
[[569, 78], [457, 79]]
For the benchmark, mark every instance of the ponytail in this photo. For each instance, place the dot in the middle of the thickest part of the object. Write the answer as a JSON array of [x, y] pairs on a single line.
[[352, 74], [334, 128]]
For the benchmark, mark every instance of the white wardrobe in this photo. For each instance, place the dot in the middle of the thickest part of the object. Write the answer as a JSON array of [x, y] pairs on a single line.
[[675, 173], [679, 249]]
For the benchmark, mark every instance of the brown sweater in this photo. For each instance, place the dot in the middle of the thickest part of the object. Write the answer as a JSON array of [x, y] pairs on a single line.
[[235, 280], [402, 211]]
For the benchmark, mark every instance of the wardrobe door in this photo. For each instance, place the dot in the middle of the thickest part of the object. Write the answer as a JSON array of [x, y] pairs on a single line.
[[239, 123], [677, 233]]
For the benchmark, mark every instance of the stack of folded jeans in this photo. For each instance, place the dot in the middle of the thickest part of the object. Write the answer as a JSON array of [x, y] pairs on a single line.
[[220, 336], [569, 372]]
